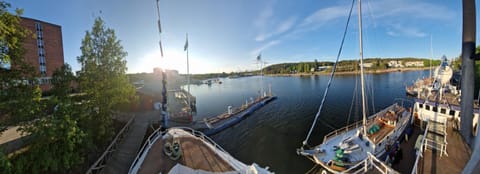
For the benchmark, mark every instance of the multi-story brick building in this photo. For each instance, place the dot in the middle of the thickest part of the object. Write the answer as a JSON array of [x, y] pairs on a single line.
[[43, 50]]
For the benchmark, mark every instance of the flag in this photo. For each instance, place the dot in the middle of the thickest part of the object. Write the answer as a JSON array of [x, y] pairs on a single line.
[[259, 57], [186, 44]]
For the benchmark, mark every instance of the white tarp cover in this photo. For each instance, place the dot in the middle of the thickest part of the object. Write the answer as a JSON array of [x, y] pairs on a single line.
[[252, 169]]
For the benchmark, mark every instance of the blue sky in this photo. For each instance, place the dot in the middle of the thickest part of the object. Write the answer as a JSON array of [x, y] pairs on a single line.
[[227, 36]]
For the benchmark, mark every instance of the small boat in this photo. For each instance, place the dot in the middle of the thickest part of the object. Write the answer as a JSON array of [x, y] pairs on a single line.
[[184, 150]]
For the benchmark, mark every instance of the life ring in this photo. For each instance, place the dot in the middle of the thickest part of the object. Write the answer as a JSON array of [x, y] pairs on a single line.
[[167, 149], [177, 151]]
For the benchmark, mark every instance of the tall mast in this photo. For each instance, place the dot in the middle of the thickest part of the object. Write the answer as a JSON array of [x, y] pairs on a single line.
[[188, 79], [362, 79], [164, 76], [431, 56]]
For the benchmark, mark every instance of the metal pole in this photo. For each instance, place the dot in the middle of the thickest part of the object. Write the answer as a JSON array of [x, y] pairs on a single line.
[[164, 77], [431, 56], [468, 83], [188, 81], [362, 79]]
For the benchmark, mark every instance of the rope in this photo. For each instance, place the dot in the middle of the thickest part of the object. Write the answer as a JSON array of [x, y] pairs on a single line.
[[331, 76], [354, 98]]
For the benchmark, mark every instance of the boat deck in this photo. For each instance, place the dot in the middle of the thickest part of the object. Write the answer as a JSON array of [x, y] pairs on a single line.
[[195, 154], [458, 156], [380, 135], [405, 164], [328, 147]]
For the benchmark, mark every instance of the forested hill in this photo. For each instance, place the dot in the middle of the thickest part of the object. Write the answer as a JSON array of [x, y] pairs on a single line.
[[349, 65]]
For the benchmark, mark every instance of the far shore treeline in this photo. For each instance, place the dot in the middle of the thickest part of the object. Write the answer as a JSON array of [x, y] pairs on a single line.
[[319, 67]]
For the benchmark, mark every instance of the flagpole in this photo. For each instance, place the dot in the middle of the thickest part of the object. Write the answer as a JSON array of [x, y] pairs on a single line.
[[188, 79]]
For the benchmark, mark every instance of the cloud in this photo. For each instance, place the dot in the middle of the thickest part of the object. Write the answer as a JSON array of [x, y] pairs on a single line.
[[257, 51], [325, 15], [281, 28], [265, 16], [410, 9], [382, 11], [398, 29]]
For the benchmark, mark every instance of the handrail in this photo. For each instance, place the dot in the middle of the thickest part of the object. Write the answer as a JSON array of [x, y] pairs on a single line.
[[420, 152], [98, 166]]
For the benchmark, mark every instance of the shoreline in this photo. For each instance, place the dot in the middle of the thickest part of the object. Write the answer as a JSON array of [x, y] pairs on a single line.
[[350, 72]]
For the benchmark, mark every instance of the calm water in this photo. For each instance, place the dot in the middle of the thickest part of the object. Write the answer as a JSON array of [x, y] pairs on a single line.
[[272, 134]]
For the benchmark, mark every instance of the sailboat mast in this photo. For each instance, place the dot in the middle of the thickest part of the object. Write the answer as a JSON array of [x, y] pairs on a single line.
[[431, 56], [188, 81], [362, 78]]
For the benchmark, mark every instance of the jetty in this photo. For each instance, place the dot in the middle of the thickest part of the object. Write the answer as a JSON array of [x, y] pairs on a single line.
[[215, 124]]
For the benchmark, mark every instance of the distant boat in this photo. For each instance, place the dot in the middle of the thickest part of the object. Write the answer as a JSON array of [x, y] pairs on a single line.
[[184, 150], [358, 148]]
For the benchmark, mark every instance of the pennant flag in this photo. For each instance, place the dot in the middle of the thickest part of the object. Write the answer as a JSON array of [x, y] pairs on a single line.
[[259, 57], [186, 44]]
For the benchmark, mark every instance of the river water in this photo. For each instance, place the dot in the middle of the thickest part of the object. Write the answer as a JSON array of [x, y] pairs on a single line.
[[271, 135]]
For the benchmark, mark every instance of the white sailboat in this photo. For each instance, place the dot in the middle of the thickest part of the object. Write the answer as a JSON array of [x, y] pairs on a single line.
[[357, 147]]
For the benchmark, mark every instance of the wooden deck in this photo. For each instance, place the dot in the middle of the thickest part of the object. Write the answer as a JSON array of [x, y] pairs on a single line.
[[195, 154], [405, 164], [458, 156], [431, 162]]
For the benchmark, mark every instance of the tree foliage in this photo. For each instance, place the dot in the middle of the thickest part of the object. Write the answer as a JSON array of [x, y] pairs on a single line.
[[56, 141], [19, 94], [102, 78]]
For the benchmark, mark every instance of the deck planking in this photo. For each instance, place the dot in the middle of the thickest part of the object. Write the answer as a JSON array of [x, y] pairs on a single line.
[[195, 154]]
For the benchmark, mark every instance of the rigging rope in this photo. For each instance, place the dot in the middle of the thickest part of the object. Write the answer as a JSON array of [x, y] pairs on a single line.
[[354, 98], [331, 76]]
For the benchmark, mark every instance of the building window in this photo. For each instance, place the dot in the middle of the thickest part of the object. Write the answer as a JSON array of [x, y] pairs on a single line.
[[452, 112], [41, 50], [427, 107], [443, 110], [420, 105], [435, 109]]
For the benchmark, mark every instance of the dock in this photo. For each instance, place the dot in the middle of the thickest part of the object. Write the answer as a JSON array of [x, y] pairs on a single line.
[[214, 125]]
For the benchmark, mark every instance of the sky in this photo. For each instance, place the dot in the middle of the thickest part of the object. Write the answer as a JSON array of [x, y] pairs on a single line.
[[227, 35]]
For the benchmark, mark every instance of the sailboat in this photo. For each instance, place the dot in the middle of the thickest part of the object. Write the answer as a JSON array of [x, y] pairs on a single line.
[[356, 147]]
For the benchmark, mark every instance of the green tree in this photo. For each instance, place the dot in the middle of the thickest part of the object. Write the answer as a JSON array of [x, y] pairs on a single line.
[[102, 78], [56, 142], [18, 86]]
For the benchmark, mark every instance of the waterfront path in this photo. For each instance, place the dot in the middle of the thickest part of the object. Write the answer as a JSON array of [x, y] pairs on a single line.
[[127, 149]]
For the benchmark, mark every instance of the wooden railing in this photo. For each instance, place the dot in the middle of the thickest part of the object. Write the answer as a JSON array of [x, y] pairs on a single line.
[[98, 166]]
